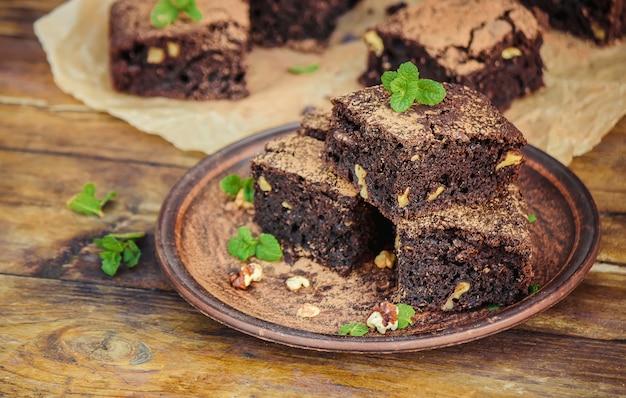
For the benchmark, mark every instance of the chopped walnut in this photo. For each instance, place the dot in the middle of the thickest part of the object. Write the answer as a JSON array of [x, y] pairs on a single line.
[[360, 173], [156, 55], [385, 259], [383, 317], [510, 159], [249, 273], [511, 52], [374, 42], [241, 203], [297, 282], [461, 288], [435, 194], [307, 311], [263, 184], [403, 200]]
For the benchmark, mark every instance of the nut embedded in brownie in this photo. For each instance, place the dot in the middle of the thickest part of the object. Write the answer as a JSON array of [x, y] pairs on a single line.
[[461, 150], [314, 214], [490, 46], [465, 257], [185, 60], [303, 25]]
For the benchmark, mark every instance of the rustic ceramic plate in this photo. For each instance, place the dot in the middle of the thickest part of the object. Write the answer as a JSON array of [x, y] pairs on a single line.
[[196, 221]]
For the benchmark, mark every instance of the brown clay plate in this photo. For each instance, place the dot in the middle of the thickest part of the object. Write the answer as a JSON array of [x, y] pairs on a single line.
[[196, 222]]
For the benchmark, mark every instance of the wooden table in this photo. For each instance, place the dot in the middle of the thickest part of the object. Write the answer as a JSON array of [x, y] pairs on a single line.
[[66, 329]]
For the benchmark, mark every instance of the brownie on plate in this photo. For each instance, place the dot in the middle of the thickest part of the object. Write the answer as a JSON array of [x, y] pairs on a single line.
[[185, 60], [464, 257], [314, 213], [303, 25], [491, 46], [460, 151], [315, 124], [603, 22]]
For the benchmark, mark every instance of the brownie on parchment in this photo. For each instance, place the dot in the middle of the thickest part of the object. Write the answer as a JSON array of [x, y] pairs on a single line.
[[491, 46], [603, 22], [186, 60], [316, 124], [311, 211], [304, 25], [460, 151], [465, 257]]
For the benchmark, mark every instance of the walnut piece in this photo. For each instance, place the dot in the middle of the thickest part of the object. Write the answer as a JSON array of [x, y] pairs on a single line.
[[374, 42], [247, 274], [383, 317], [385, 259], [435, 194], [173, 49], [308, 311], [510, 159], [297, 282], [403, 200], [263, 184], [360, 173], [511, 52], [156, 55], [461, 288]]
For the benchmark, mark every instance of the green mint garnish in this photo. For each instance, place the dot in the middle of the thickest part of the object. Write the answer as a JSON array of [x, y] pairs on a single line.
[[86, 202], [405, 315], [532, 218], [532, 289], [406, 87], [165, 12], [303, 69], [118, 249], [493, 307], [243, 246], [353, 329], [232, 184]]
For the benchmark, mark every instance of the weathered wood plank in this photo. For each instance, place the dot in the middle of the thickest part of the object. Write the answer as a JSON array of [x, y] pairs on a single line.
[[72, 339], [89, 134], [17, 16], [613, 238]]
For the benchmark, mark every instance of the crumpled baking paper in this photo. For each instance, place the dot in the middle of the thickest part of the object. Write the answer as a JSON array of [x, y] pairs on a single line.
[[584, 97]]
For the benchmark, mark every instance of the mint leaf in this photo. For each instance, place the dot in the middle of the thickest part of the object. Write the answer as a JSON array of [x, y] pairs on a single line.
[[164, 13], [404, 92], [110, 262], [408, 71], [268, 248], [303, 69], [532, 289], [242, 246], [86, 203], [430, 92], [532, 218], [353, 329], [405, 315], [387, 78], [118, 248], [493, 307], [231, 184], [248, 189]]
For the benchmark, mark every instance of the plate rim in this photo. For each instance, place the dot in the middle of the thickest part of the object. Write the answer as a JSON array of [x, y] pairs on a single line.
[[575, 267]]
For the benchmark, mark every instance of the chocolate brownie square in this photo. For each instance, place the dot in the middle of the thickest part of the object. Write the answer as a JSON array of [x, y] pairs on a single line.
[[302, 25], [491, 46], [603, 22], [315, 124], [461, 150], [464, 257], [314, 213], [185, 60]]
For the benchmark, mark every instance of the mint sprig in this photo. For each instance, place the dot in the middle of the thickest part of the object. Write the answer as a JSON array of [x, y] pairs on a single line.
[[406, 87], [405, 315], [165, 12], [118, 249], [243, 246], [86, 202], [233, 183]]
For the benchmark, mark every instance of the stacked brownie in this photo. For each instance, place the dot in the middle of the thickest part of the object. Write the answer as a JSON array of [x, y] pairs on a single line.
[[443, 175], [491, 46]]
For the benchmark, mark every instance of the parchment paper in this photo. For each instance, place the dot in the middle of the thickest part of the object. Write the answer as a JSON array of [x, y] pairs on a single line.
[[584, 97]]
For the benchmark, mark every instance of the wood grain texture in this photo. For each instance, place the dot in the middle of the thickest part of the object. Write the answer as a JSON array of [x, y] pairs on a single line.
[[68, 330]]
